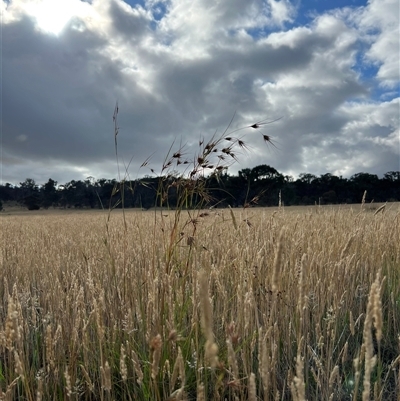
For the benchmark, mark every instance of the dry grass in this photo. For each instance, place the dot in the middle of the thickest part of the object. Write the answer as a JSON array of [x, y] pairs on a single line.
[[299, 304]]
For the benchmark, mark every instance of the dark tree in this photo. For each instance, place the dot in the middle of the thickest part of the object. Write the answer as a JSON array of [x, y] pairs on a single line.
[[29, 195], [8, 192], [362, 182], [390, 185], [49, 194]]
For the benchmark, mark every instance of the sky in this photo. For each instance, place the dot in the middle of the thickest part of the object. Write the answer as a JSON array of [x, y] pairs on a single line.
[[183, 70]]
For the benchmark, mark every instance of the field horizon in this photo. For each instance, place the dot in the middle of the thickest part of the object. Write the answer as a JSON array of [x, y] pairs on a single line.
[[12, 208]]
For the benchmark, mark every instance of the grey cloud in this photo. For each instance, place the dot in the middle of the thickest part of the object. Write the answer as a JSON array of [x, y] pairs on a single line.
[[131, 23], [52, 91]]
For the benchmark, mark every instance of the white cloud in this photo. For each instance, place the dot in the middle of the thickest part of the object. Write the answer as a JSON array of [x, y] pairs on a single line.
[[281, 11], [380, 20]]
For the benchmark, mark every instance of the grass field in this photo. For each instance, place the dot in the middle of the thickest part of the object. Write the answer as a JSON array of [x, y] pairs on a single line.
[[246, 304]]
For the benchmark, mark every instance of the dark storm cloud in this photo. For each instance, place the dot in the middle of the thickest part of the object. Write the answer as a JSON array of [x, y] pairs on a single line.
[[55, 93]]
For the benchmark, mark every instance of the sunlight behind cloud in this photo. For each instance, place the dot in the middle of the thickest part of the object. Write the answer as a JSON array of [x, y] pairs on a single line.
[[52, 16]]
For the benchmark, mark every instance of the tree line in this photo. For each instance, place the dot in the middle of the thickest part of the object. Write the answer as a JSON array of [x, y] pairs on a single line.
[[262, 185]]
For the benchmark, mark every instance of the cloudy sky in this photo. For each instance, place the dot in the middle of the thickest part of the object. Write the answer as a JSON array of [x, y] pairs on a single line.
[[180, 69]]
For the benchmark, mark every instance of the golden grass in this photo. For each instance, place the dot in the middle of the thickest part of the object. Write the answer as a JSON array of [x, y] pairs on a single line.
[[298, 304]]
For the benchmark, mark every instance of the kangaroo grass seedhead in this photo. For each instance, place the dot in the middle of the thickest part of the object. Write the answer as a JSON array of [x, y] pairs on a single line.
[[267, 139], [264, 122]]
